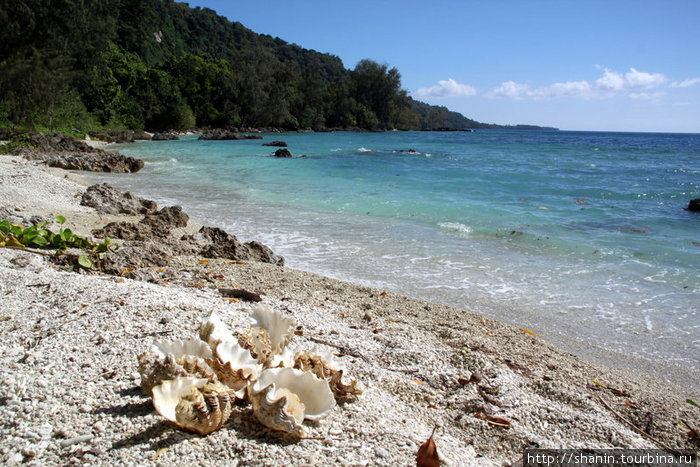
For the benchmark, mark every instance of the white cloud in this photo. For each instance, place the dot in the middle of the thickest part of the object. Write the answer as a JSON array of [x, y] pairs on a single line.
[[686, 83], [634, 84], [641, 79], [447, 88], [510, 89], [567, 89], [610, 81], [653, 96]]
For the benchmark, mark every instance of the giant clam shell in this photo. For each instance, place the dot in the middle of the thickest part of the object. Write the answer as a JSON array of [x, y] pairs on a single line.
[[194, 404], [169, 359], [213, 331], [324, 366], [280, 329], [283, 397], [235, 367]]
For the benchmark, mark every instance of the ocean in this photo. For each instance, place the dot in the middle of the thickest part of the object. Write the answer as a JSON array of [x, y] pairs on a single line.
[[580, 237]]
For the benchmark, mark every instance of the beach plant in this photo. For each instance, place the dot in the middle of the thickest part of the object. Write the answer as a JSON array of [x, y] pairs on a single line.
[[38, 237]]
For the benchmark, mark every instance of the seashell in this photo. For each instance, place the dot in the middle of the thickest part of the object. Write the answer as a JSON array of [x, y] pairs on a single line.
[[283, 397], [235, 367], [256, 340], [326, 367], [171, 359], [280, 329], [213, 331], [194, 404]]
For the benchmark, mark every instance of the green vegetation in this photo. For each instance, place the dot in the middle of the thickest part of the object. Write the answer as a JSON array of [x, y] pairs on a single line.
[[36, 236], [160, 65]]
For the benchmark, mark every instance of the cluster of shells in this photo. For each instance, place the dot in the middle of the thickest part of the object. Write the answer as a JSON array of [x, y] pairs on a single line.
[[194, 383]]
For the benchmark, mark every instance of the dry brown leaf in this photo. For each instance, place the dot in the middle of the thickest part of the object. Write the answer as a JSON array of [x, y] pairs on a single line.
[[527, 331], [417, 381], [159, 453], [383, 294], [203, 261], [427, 453], [127, 271], [236, 262], [498, 421], [298, 332], [233, 300]]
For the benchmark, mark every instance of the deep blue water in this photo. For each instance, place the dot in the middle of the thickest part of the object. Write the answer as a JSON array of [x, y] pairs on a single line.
[[578, 235]]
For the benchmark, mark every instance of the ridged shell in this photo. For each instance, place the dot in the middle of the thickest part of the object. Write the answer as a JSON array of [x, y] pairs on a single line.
[[280, 329], [194, 404], [235, 367], [325, 366], [213, 331], [283, 397], [257, 342], [171, 359]]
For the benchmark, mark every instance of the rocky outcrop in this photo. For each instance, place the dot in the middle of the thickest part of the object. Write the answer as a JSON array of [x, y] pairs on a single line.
[[279, 144], [108, 200], [283, 153], [114, 136], [694, 205], [64, 152], [164, 137], [224, 134], [153, 242], [223, 245]]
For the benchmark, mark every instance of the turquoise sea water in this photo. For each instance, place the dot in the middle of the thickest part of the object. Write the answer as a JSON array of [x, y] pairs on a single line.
[[577, 236]]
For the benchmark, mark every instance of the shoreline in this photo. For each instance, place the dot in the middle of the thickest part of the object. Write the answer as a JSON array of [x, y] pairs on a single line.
[[409, 354]]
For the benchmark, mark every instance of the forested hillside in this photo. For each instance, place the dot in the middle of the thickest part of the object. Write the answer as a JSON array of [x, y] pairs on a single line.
[[161, 65]]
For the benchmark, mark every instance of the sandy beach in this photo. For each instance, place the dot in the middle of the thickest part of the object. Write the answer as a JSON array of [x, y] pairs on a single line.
[[70, 388]]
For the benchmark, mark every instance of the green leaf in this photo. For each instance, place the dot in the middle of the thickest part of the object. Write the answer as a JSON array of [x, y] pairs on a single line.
[[692, 402], [85, 262], [40, 241], [41, 224], [5, 226], [17, 229], [61, 220]]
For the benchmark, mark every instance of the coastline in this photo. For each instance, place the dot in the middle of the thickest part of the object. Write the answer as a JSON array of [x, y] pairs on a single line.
[[409, 354]]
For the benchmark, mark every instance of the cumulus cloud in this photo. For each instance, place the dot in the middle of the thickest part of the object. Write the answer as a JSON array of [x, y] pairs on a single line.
[[686, 83], [447, 88], [634, 84], [510, 89], [641, 79]]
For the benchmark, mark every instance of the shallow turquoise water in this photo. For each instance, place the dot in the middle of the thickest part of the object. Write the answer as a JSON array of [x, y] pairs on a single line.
[[584, 233]]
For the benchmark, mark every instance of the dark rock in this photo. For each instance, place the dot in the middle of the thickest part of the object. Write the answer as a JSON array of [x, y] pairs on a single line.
[[92, 162], [125, 231], [166, 219], [694, 205], [114, 136], [222, 245], [59, 150], [280, 144], [283, 153], [142, 135], [165, 137], [108, 200], [223, 134]]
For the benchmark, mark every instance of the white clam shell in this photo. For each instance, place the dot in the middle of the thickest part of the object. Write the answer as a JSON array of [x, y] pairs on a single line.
[[280, 328], [180, 348], [170, 359], [323, 365], [213, 331], [283, 397], [235, 367], [194, 404]]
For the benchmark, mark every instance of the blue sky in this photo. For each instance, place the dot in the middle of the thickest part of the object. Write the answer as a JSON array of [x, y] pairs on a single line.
[[613, 65]]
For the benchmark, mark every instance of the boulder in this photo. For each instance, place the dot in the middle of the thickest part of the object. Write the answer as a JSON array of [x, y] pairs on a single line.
[[164, 137], [279, 144], [694, 205], [108, 200], [165, 220], [283, 153], [220, 244], [223, 134]]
